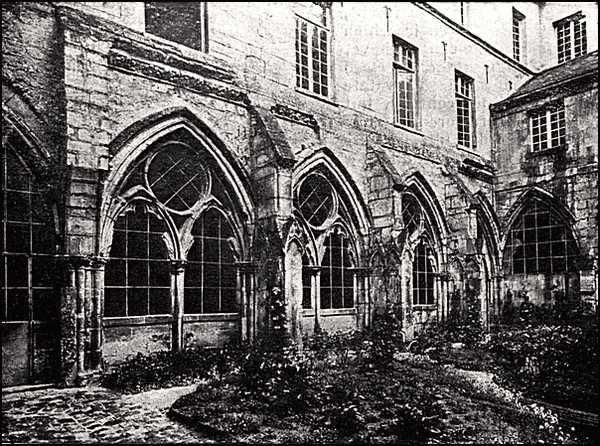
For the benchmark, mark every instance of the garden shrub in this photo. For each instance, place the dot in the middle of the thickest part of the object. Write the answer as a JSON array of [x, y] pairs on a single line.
[[383, 340], [161, 369], [556, 363], [418, 421], [282, 378]]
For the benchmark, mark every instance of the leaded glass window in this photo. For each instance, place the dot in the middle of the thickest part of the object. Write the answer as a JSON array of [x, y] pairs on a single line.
[[210, 276], [137, 280], [465, 106], [539, 243], [422, 275], [28, 244], [571, 37], [337, 280], [405, 83], [312, 57]]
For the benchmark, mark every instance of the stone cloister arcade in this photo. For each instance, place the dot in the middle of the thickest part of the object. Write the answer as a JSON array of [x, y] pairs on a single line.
[[187, 244]]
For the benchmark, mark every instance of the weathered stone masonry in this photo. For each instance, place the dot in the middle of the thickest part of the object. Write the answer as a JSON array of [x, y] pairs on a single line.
[[90, 100]]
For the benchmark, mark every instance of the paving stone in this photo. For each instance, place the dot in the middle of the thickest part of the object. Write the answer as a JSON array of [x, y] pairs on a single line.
[[92, 415]]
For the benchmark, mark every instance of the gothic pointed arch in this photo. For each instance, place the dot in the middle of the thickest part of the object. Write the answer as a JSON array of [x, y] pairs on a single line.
[[536, 194], [217, 168], [30, 246], [539, 238], [415, 184], [488, 221], [323, 161]]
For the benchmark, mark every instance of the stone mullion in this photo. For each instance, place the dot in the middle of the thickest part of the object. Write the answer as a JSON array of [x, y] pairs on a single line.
[[315, 293], [97, 298], [363, 299], [177, 302], [246, 299]]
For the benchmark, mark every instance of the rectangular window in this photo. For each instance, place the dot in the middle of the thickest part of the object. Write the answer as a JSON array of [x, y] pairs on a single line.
[[548, 128], [571, 38], [312, 57], [465, 109], [405, 82], [518, 34], [182, 22]]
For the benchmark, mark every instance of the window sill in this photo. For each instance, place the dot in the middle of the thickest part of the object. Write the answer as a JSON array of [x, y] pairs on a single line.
[[428, 307], [338, 312], [546, 152], [408, 129], [469, 150], [310, 94], [137, 320], [211, 317]]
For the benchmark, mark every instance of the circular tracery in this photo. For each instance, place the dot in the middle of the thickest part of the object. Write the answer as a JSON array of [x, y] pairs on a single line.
[[316, 200], [177, 176]]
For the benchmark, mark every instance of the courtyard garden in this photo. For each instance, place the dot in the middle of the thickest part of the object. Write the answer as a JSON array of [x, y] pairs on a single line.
[[453, 384]]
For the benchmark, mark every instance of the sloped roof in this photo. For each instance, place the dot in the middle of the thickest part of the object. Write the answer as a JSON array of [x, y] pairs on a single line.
[[555, 75]]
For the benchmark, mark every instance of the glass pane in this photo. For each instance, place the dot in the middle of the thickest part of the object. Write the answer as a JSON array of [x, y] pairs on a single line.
[[17, 271], [114, 302], [17, 305], [42, 271], [17, 238], [193, 300], [211, 300], [137, 301], [160, 301], [114, 272], [229, 300], [160, 274], [137, 273]]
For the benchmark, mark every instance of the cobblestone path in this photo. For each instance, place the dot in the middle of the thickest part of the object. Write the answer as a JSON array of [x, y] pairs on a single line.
[[93, 415]]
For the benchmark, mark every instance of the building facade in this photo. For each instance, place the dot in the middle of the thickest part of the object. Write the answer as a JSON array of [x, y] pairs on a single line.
[[172, 171]]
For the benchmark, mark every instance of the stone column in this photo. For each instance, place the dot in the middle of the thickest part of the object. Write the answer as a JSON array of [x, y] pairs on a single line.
[[97, 313], [315, 287], [363, 296], [74, 323], [246, 299], [177, 304]]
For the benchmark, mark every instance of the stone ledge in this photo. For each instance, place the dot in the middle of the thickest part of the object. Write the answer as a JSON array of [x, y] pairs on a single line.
[[128, 63]]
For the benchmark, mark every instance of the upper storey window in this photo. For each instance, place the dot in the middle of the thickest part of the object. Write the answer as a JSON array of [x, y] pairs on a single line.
[[518, 29], [465, 110], [405, 83], [182, 22], [312, 56], [571, 38], [548, 128]]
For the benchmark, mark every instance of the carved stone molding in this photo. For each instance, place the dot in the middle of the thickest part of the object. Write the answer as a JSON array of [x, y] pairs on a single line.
[[127, 62], [297, 116]]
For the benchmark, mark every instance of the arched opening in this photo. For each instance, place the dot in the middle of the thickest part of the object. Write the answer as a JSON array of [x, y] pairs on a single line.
[[540, 257], [177, 221], [333, 217], [28, 272]]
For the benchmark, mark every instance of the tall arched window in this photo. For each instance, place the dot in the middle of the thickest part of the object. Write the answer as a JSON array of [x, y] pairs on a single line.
[[210, 276], [422, 280], [29, 299], [137, 276], [337, 282], [539, 242]]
